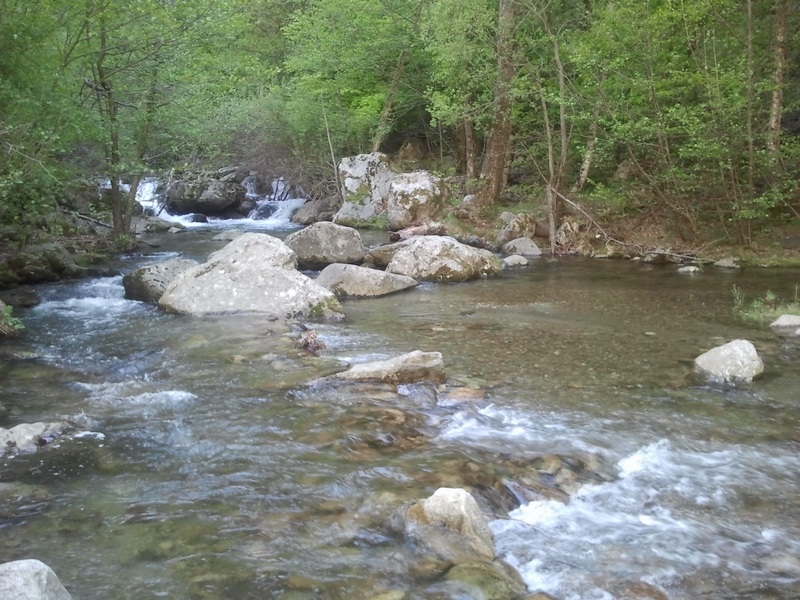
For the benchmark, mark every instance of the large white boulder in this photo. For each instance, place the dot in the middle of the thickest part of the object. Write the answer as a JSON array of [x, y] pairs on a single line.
[[365, 180], [255, 273], [326, 243], [30, 579], [736, 361], [355, 281], [414, 198], [443, 259], [29, 437]]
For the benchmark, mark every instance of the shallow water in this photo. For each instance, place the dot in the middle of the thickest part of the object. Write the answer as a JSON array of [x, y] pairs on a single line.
[[217, 472]]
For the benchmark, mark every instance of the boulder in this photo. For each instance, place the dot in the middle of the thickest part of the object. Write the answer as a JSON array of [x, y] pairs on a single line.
[[788, 325], [515, 260], [451, 524], [518, 226], [365, 180], [324, 243], [414, 199], [26, 438], [523, 246], [19, 297], [382, 255], [148, 283], [354, 281], [205, 196], [729, 262], [736, 361], [255, 273], [30, 580], [407, 368], [313, 211], [497, 580], [443, 259]]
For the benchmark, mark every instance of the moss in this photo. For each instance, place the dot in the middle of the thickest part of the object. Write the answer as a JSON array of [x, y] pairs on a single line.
[[325, 308], [9, 325]]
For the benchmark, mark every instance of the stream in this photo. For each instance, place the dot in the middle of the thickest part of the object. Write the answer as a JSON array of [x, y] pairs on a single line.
[[213, 469]]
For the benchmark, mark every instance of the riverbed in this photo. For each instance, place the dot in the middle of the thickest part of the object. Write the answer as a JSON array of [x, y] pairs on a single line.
[[215, 469]]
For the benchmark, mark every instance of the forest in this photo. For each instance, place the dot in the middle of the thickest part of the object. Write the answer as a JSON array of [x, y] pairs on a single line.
[[683, 112]]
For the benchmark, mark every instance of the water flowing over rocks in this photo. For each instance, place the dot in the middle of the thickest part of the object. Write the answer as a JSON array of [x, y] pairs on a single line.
[[736, 361], [30, 579], [354, 281], [26, 438], [365, 181], [255, 273], [442, 259], [323, 244], [787, 325], [414, 199], [149, 283], [205, 196], [407, 368]]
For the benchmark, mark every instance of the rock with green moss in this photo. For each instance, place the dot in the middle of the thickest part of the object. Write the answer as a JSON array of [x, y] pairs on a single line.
[[365, 181], [414, 199], [496, 580]]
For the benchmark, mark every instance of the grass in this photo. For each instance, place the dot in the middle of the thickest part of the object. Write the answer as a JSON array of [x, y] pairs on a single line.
[[766, 308]]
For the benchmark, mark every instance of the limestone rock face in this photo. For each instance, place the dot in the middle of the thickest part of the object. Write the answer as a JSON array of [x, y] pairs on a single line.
[[414, 198], [365, 180], [443, 259], [255, 273], [736, 361], [148, 283], [407, 368], [30, 580], [450, 514], [354, 281], [324, 243]]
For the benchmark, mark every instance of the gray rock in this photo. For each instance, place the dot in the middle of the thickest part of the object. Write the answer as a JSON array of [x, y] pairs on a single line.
[[255, 273], [148, 283], [523, 246], [786, 325], [414, 198], [26, 438], [689, 269], [407, 368], [519, 226], [736, 361], [325, 243], [228, 235], [497, 580], [313, 211], [382, 255], [452, 525], [365, 180], [351, 280], [206, 196], [30, 580], [729, 262], [442, 259], [515, 260]]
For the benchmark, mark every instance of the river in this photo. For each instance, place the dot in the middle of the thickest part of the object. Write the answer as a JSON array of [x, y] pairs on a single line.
[[214, 470]]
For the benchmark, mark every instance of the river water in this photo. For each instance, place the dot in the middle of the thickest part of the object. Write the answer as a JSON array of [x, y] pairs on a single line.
[[215, 470]]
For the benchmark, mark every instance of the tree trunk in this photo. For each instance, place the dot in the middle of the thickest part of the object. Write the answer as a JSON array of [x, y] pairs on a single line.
[[470, 154], [498, 146], [776, 110]]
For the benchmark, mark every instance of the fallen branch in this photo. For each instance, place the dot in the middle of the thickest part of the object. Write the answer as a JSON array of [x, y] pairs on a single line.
[[92, 220]]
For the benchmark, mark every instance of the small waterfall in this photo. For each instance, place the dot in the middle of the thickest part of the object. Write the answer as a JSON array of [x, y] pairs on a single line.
[[276, 207]]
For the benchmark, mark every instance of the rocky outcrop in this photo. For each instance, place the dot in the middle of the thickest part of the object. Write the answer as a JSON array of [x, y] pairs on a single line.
[[354, 281], [736, 361], [149, 283], [407, 368], [39, 263], [414, 199], [442, 259], [523, 246], [255, 273], [322, 244], [26, 438], [30, 580], [787, 325], [365, 180]]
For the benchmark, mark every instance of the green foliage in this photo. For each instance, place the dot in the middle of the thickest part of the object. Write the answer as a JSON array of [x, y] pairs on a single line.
[[766, 308], [9, 325]]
